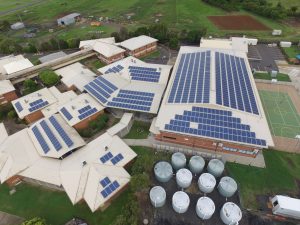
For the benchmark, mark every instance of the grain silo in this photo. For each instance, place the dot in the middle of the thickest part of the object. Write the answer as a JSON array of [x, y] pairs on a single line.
[[206, 182], [227, 187], [163, 171], [184, 178], [178, 160], [215, 167], [158, 196], [205, 208], [196, 164], [231, 214], [180, 202]]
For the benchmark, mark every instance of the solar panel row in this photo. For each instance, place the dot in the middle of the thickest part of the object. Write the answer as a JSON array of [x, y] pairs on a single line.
[[141, 68], [106, 157], [117, 159], [140, 93], [19, 106], [61, 131], [105, 181], [38, 106], [40, 139], [192, 79], [114, 69], [66, 113], [84, 109], [87, 113], [51, 136], [36, 102], [110, 189], [131, 101], [214, 124], [233, 86], [128, 106], [154, 80], [144, 74]]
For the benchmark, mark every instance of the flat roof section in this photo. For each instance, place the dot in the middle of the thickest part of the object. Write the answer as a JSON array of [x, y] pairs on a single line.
[[6, 86], [137, 42], [17, 66]]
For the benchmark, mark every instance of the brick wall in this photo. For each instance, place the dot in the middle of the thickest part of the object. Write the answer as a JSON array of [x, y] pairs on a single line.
[[8, 97], [143, 50], [213, 145], [85, 123], [34, 116], [111, 59]]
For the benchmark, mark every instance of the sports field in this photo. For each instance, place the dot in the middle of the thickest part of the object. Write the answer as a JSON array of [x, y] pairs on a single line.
[[282, 116]]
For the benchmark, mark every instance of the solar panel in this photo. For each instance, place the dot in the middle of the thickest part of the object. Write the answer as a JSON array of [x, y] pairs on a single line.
[[110, 189], [128, 106], [38, 106], [117, 159], [36, 102], [95, 93], [233, 86], [106, 157], [84, 109], [104, 182], [66, 113], [109, 84], [114, 69], [19, 106], [51, 136], [40, 139], [144, 74], [213, 123], [61, 132], [87, 113], [192, 79]]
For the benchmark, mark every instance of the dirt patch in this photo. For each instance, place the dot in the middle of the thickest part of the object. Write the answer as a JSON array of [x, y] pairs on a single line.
[[293, 22], [237, 22]]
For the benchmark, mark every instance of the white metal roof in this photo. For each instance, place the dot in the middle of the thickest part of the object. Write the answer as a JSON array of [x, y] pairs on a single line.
[[69, 16], [258, 123], [3, 133], [52, 56], [6, 86], [234, 44], [16, 66], [124, 122], [90, 43], [76, 139], [73, 108], [8, 59], [76, 74], [62, 98], [288, 203], [137, 42], [26, 102]]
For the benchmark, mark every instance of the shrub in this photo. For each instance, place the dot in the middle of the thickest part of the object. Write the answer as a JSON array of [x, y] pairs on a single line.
[[12, 114], [30, 86], [139, 182], [34, 221], [48, 77]]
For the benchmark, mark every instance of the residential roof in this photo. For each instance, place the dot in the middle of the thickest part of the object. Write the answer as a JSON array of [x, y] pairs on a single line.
[[33, 102], [80, 108], [62, 98], [125, 62], [90, 43], [8, 59], [16, 66], [53, 137], [288, 203], [137, 42], [211, 105], [3, 133], [6, 86], [123, 124], [52, 56], [76, 75], [131, 85], [70, 16]]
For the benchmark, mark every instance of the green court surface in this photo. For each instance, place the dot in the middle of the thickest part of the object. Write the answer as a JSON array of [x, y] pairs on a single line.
[[281, 113]]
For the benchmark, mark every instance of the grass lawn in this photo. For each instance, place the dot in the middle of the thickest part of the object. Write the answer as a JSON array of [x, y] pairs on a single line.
[[278, 178], [267, 76], [152, 55], [93, 63], [292, 51], [30, 201], [139, 130]]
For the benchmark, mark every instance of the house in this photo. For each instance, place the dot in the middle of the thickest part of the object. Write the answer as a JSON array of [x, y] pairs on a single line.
[[68, 19]]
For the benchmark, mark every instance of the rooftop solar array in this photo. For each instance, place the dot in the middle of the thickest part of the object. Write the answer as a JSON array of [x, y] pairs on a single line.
[[66, 113], [144, 74], [106, 157], [87, 113], [48, 131], [101, 89], [110, 189], [192, 79], [117, 159], [104, 182], [213, 123], [37, 105], [114, 69], [233, 86], [19, 106], [136, 100]]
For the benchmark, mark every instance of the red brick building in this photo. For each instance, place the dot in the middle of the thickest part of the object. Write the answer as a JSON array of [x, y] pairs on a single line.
[[7, 92]]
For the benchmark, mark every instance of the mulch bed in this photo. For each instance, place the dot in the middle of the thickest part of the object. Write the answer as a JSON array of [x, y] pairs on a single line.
[[238, 22]]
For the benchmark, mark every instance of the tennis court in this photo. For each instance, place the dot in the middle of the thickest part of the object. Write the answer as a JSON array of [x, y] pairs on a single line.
[[281, 113]]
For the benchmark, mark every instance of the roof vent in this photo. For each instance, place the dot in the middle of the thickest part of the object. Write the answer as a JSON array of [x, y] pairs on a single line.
[[84, 163], [106, 148]]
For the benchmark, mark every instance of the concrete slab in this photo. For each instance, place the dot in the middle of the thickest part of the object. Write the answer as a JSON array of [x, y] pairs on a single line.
[[8, 219]]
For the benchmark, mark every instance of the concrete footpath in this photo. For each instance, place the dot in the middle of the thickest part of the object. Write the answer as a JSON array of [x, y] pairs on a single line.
[[8, 219]]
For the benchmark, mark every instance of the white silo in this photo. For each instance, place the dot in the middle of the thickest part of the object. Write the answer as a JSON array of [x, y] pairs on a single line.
[[196, 164], [206, 182], [231, 214], [158, 196], [163, 171], [227, 187], [215, 167], [178, 160], [180, 202], [184, 178], [205, 208]]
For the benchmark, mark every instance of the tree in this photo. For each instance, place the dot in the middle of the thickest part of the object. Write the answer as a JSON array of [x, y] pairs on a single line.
[[116, 35], [4, 26], [11, 114], [8, 46], [194, 36], [35, 221], [160, 32], [141, 31], [74, 42], [48, 77], [45, 46], [63, 44], [30, 86], [123, 33], [31, 48], [139, 182]]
